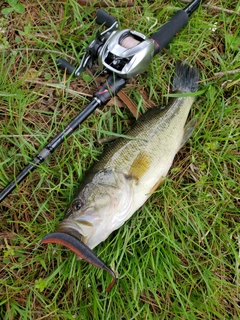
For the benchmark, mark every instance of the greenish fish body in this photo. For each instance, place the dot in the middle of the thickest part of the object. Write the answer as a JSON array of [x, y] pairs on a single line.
[[132, 168]]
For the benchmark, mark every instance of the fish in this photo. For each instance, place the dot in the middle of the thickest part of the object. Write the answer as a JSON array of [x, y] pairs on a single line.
[[128, 172]]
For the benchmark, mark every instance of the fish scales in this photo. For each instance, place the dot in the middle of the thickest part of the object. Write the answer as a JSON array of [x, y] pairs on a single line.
[[133, 167], [148, 133], [157, 136]]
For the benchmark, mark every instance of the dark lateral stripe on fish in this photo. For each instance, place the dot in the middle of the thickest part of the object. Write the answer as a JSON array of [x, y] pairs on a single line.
[[81, 250]]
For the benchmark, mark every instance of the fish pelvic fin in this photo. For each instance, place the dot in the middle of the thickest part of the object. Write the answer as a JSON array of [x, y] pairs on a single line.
[[185, 78], [188, 131], [81, 250]]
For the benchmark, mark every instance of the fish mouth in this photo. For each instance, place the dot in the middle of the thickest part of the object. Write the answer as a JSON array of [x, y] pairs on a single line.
[[72, 240]]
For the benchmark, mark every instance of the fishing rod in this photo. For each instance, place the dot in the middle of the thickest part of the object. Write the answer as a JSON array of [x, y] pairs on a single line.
[[123, 54]]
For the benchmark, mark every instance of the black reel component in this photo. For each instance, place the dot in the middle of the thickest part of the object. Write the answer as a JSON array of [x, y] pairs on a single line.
[[91, 53]]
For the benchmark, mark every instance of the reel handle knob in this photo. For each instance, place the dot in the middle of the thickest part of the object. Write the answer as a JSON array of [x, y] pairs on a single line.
[[104, 18], [64, 64]]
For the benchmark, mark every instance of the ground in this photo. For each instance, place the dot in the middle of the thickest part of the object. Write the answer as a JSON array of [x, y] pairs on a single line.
[[178, 257]]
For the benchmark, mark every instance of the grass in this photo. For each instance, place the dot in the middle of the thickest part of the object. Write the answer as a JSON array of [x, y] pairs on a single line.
[[177, 257]]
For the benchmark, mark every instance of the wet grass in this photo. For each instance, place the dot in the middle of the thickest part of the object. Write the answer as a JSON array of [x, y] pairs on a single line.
[[177, 257]]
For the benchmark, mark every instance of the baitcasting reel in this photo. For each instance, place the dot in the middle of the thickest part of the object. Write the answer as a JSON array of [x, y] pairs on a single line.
[[125, 53]]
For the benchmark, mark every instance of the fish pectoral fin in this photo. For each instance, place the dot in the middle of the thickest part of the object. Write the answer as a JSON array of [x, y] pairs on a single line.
[[140, 165], [188, 131]]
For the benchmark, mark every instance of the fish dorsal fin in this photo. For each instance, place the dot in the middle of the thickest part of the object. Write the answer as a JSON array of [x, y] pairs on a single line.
[[188, 131], [140, 165]]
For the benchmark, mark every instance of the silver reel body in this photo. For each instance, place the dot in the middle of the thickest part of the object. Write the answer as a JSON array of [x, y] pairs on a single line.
[[126, 53]]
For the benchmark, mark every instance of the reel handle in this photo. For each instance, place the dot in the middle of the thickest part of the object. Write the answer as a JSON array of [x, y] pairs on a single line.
[[64, 64], [104, 18]]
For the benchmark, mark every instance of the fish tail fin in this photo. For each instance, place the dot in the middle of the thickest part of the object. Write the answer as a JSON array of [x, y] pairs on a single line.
[[185, 78]]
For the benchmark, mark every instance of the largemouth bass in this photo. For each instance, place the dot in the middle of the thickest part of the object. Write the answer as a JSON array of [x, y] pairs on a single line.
[[129, 171]]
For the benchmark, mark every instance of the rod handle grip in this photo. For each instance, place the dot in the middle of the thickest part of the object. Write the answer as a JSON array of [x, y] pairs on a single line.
[[165, 34]]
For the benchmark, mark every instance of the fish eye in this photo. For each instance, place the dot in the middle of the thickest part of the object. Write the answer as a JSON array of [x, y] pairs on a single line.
[[77, 204]]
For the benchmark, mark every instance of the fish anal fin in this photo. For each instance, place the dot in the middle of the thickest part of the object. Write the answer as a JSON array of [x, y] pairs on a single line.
[[140, 165], [188, 131]]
